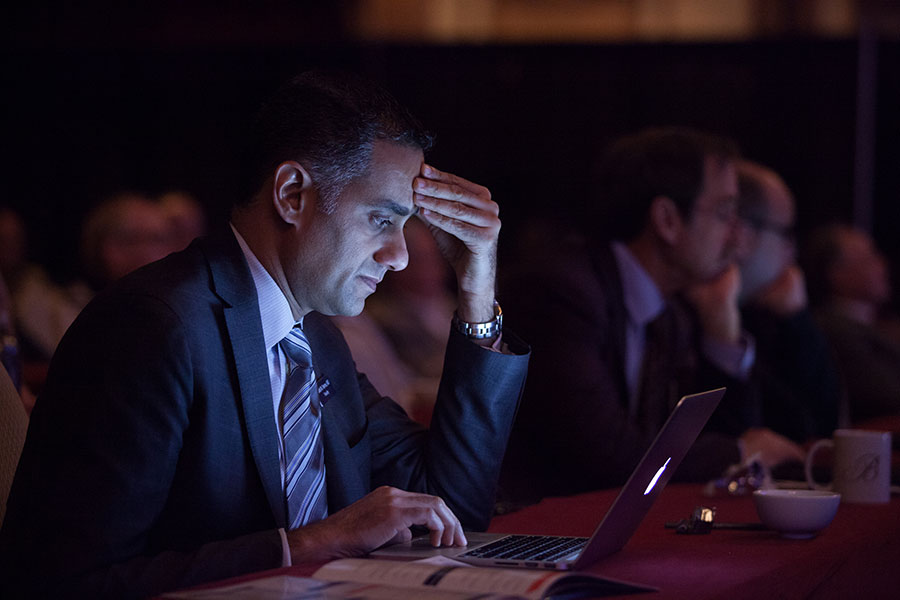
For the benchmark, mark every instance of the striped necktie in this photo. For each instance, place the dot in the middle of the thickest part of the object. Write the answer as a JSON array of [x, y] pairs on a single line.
[[301, 422]]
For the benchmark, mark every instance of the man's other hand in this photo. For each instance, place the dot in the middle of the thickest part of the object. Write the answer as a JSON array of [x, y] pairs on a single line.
[[382, 516], [786, 295], [717, 307], [771, 448]]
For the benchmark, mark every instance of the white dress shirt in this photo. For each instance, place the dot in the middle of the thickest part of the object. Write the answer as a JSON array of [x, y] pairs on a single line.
[[643, 303]]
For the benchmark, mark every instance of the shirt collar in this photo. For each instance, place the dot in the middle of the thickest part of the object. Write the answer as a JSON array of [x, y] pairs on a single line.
[[274, 310], [643, 300]]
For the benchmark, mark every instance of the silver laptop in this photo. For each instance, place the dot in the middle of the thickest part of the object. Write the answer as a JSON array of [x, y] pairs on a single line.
[[618, 525]]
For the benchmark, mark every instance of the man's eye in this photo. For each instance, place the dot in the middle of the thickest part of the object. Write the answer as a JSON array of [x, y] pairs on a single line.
[[381, 222]]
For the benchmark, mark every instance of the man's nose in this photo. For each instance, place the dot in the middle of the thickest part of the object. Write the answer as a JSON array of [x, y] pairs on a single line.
[[741, 240], [393, 254]]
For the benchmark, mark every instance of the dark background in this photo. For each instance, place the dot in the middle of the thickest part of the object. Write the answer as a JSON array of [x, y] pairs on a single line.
[[83, 119]]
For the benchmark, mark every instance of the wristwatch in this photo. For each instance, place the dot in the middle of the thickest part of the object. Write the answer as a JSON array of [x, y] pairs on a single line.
[[481, 331]]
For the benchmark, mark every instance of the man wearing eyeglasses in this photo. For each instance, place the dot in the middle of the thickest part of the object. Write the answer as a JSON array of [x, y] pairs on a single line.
[[797, 378], [644, 310]]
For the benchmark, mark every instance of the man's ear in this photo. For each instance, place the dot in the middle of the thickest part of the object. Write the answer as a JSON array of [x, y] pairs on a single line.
[[292, 192], [665, 219]]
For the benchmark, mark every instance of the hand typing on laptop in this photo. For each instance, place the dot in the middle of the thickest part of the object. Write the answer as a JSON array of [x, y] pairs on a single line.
[[382, 516], [646, 482]]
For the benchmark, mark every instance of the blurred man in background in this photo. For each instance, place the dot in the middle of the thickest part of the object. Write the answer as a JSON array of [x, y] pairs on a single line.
[[185, 215], [122, 233], [798, 380], [624, 324], [850, 289]]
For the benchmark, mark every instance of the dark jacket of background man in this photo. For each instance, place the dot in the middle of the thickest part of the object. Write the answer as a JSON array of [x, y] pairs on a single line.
[[798, 380], [573, 432], [668, 197]]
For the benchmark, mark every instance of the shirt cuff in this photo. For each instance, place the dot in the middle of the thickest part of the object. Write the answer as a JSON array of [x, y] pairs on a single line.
[[736, 359], [497, 345], [285, 549]]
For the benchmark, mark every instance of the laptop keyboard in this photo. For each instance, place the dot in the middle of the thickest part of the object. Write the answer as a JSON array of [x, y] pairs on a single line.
[[529, 547]]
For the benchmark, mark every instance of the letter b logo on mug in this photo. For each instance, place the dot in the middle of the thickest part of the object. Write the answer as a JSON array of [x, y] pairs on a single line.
[[862, 465]]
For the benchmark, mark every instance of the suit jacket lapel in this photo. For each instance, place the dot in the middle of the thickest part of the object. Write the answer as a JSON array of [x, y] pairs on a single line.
[[344, 483], [343, 486], [233, 283], [607, 272]]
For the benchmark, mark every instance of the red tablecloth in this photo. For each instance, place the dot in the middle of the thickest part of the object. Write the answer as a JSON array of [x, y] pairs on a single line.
[[857, 556]]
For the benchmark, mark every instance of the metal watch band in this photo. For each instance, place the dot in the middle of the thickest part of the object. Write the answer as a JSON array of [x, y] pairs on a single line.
[[481, 331]]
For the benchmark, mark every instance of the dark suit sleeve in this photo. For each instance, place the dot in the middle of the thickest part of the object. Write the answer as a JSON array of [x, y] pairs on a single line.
[[458, 458], [99, 461], [799, 385], [573, 432]]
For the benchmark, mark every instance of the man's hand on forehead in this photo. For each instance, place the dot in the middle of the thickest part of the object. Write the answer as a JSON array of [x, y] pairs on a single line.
[[465, 223], [455, 205]]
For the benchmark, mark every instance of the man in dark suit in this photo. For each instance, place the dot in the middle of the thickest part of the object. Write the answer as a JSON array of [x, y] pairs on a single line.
[[158, 455], [798, 380], [850, 289], [616, 341]]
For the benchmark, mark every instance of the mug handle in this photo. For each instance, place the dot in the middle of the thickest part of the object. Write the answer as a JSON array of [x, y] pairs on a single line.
[[809, 463]]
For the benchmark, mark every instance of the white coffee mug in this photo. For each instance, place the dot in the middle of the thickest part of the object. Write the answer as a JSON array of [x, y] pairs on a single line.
[[862, 465]]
